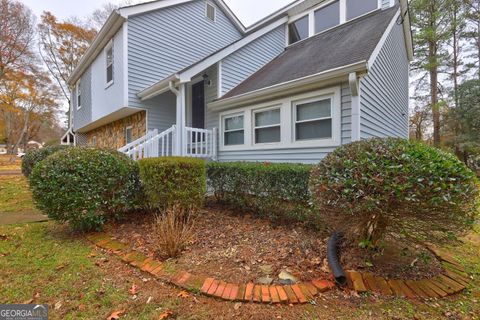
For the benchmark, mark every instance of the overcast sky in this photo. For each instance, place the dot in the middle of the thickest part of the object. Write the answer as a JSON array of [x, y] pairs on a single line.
[[248, 11]]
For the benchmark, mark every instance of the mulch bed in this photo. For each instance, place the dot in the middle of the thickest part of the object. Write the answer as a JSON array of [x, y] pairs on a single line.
[[241, 248]]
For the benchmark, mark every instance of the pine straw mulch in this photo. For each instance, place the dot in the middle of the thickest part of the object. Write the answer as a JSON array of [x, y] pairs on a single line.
[[241, 248]]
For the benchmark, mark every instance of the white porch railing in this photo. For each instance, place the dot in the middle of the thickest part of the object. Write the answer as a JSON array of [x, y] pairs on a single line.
[[198, 143]]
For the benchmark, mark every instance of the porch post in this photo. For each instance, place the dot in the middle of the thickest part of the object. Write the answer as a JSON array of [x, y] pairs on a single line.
[[180, 138]]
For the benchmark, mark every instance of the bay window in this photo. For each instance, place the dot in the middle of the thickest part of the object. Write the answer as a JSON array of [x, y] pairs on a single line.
[[234, 131], [267, 126]]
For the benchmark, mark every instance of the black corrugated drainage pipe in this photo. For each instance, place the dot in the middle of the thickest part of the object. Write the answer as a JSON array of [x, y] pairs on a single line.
[[334, 261]]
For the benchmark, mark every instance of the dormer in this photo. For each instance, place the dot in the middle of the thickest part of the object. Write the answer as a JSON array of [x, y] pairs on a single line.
[[329, 14]]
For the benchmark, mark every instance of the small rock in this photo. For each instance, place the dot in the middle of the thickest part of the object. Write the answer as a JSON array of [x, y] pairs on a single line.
[[265, 281], [266, 269], [284, 275], [237, 305], [286, 282]]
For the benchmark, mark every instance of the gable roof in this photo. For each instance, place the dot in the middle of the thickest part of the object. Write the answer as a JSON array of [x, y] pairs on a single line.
[[346, 45]]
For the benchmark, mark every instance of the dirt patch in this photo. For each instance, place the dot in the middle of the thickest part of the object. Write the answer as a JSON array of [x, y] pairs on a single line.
[[240, 248]]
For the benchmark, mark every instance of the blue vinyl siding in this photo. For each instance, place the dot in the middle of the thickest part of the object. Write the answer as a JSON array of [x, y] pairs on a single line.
[[385, 91], [83, 116], [166, 41], [296, 155], [161, 111], [242, 64]]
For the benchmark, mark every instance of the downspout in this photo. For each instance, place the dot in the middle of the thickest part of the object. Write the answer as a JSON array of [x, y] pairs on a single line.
[[355, 92]]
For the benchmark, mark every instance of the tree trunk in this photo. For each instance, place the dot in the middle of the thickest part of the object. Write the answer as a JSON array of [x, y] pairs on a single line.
[[455, 57], [434, 96]]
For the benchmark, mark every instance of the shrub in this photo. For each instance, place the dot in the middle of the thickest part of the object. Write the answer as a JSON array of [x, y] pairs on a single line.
[[173, 230], [85, 186], [173, 180], [369, 188], [274, 191], [474, 163], [32, 157]]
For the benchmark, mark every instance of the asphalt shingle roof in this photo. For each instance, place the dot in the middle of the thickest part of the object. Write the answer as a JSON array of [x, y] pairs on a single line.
[[347, 44]]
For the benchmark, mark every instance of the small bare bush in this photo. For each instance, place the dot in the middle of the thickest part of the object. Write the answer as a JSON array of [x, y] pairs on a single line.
[[173, 230]]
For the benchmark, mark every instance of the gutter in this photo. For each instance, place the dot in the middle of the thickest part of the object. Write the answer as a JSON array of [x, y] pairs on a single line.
[[158, 88], [108, 31], [286, 87]]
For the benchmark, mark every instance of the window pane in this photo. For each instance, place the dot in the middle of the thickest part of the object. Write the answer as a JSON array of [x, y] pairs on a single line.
[[314, 110], [109, 56], [210, 12], [356, 8], [128, 135], [298, 30], [267, 118], [234, 123], [320, 129], [327, 17], [234, 138], [267, 135], [109, 73]]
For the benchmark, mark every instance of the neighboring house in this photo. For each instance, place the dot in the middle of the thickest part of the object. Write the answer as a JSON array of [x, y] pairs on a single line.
[[185, 77]]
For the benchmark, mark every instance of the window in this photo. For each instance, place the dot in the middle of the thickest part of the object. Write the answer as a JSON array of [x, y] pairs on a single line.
[[327, 17], [79, 94], [94, 141], [210, 11], [356, 8], [234, 130], [128, 135], [313, 120], [267, 126], [109, 63], [298, 30]]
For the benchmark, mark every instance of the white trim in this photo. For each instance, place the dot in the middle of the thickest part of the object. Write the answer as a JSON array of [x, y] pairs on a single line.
[[407, 29], [222, 130], [125, 64], [343, 11], [287, 126], [383, 39], [109, 46], [295, 105], [77, 94], [254, 127], [149, 6], [284, 88]]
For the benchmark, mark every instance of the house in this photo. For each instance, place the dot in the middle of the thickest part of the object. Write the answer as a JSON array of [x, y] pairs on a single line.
[[185, 77]]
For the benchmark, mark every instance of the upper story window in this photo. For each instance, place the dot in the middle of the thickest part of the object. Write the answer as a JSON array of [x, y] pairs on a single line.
[[267, 126], [234, 130], [357, 8], [109, 63], [327, 17], [298, 30], [79, 94], [210, 11], [313, 120]]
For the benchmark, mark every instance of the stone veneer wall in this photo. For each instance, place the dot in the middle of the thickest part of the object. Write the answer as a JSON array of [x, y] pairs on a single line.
[[112, 135]]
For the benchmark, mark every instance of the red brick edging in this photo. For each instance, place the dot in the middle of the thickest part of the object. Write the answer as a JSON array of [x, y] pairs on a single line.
[[250, 292], [452, 281]]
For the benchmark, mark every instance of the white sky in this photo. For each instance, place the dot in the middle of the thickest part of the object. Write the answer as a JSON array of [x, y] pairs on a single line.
[[248, 11]]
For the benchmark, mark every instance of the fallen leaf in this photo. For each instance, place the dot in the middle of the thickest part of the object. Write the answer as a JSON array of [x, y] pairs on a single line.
[[183, 294], [36, 295], [237, 305], [133, 290], [58, 305], [115, 315], [165, 315], [149, 300], [82, 307]]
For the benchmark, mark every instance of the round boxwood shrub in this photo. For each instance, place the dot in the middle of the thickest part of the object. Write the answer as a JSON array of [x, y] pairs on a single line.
[[376, 187], [170, 181], [85, 186], [32, 157]]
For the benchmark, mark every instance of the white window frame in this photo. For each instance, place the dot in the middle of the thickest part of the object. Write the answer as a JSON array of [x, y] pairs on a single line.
[[78, 93], [126, 130], [108, 47], [295, 105], [287, 126], [311, 13], [254, 128], [223, 131], [208, 3]]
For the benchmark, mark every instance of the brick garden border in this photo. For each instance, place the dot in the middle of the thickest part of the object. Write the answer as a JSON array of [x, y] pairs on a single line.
[[452, 281]]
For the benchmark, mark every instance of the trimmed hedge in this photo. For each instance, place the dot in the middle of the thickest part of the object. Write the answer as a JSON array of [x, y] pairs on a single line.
[[172, 181], [85, 186], [32, 157], [371, 188], [275, 191]]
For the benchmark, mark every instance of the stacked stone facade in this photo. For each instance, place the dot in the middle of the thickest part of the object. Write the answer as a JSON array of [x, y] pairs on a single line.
[[112, 135]]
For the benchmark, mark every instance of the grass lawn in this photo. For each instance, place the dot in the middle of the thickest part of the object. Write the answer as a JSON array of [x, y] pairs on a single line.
[[45, 263]]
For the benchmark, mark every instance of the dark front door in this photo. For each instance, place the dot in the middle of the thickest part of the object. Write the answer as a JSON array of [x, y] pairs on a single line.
[[198, 105]]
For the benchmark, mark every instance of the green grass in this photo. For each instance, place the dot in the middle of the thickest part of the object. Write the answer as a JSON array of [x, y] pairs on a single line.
[[14, 194]]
